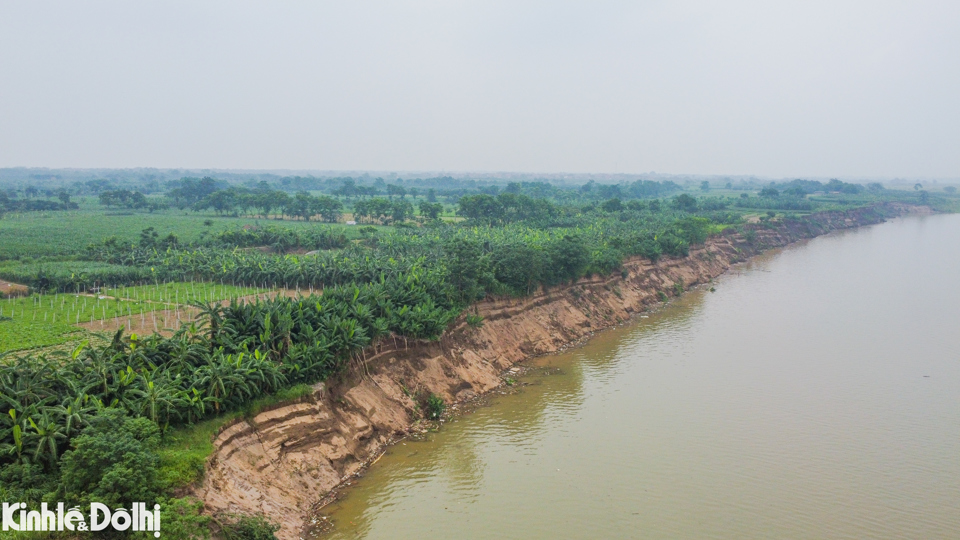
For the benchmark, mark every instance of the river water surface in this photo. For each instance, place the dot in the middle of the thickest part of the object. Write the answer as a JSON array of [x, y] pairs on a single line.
[[815, 394]]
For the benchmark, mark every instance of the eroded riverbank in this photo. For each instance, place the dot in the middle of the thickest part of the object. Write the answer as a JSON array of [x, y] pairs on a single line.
[[811, 395], [282, 461]]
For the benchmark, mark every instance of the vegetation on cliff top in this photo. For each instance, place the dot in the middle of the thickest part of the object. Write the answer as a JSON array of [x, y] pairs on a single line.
[[76, 422]]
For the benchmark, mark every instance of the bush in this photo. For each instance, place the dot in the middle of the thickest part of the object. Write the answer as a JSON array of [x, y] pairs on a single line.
[[25, 482], [435, 407], [181, 519], [248, 528], [475, 320], [113, 461]]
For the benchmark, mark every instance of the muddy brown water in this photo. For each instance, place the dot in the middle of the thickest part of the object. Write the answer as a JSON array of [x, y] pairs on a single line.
[[815, 394]]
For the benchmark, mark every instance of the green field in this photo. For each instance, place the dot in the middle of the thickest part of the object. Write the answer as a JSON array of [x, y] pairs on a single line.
[[52, 234], [39, 321], [52, 319], [181, 293]]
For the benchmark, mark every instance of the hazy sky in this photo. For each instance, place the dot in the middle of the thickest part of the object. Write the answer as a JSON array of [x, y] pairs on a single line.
[[809, 88]]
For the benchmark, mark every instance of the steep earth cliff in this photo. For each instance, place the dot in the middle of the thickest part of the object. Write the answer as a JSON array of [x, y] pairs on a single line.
[[284, 460]]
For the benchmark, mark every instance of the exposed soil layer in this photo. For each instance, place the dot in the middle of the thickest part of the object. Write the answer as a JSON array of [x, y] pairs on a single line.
[[12, 289], [286, 459]]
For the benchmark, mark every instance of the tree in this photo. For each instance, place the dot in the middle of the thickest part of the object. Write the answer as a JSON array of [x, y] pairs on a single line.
[[348, 189], [114, 461], [430, 210], [393, 189], [769, 192], [481, 207], [431, 195], [843, 187], [950, 189], [519, 265], [610, 191], [469, 268], [123, 198], [329, 209], [613, 205], [49, 433], [694, 229], [158, 398], [222, 202], [377, 209], [685, 202], [192, 190], [705, 186], [280, 201], [301, 205], [401, 210], [265, 202], [570, 258]]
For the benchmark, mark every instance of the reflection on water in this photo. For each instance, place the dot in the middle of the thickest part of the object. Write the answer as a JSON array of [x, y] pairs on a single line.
[[816, 394]]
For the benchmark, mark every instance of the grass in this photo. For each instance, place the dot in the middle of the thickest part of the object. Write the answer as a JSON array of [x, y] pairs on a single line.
[[289, 394], [185, 450]]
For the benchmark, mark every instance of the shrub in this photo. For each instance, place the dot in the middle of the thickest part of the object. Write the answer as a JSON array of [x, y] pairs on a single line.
[[475, 320], [182, 519], [434, 407], [678, 287], [248, 528], [113, 461]]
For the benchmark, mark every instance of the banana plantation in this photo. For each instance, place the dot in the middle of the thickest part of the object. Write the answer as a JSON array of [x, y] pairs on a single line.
[[345, 296]]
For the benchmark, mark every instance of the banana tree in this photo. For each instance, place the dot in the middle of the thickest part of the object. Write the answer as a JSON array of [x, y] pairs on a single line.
[[48, 434]]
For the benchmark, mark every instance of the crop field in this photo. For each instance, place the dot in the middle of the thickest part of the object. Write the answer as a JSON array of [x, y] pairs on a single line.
[[181, 292], [44, 320], [44, 234], [53, 319], [24, 272]]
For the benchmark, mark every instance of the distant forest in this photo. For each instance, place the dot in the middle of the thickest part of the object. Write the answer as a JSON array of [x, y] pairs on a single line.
[[25, 190]]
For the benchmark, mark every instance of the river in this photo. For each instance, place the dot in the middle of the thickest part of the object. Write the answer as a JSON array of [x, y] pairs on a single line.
[[814, 394]]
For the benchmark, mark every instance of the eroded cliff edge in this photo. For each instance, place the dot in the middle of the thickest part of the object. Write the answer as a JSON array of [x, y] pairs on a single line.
[[284, 460]]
